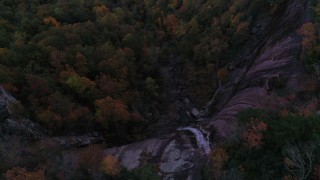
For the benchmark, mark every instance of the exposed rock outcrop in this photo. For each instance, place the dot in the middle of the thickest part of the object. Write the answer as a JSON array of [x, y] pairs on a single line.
[[5, 100], [12, 125], [178, 155], [4, 113]]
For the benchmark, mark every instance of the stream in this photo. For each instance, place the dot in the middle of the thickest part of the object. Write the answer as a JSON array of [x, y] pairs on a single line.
[[202, 141]]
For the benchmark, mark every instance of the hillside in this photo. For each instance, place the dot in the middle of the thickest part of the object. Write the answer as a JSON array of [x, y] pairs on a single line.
[[192, 89]]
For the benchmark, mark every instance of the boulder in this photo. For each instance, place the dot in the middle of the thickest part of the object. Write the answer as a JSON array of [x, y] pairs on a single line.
[[195, 112]]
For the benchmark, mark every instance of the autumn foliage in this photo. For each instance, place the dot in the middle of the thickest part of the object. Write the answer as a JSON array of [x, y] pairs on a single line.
[[308, 31], [219, 158], [110, 165], [81, 66], [51, 21], [22, 174], [109, 109], [90, 158], [310, 45], [253, 135]]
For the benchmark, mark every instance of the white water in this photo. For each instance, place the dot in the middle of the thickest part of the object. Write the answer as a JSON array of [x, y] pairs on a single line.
[[202, 142]]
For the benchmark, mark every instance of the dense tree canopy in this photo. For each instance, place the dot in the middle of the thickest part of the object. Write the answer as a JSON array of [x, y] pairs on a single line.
[[78, 64]]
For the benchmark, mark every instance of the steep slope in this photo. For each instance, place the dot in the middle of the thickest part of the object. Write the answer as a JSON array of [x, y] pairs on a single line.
[[276, 56]]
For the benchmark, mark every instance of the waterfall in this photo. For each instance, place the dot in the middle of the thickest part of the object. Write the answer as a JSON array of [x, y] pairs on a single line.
[[202, 142]]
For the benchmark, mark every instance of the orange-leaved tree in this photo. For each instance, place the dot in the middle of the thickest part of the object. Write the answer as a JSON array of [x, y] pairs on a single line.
[[253, 135], [51, 21], [308, 31], [109, 109], [110, 165], [219, 158]]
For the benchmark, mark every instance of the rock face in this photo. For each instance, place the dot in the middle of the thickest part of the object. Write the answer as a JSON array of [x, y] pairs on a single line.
[[277, 58], [10, 125], [22, 127], [4, 113], [175, 154], [179, 155], [5, 99]]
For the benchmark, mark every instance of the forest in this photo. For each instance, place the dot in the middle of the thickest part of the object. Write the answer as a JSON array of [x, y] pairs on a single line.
[[82, 66]]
